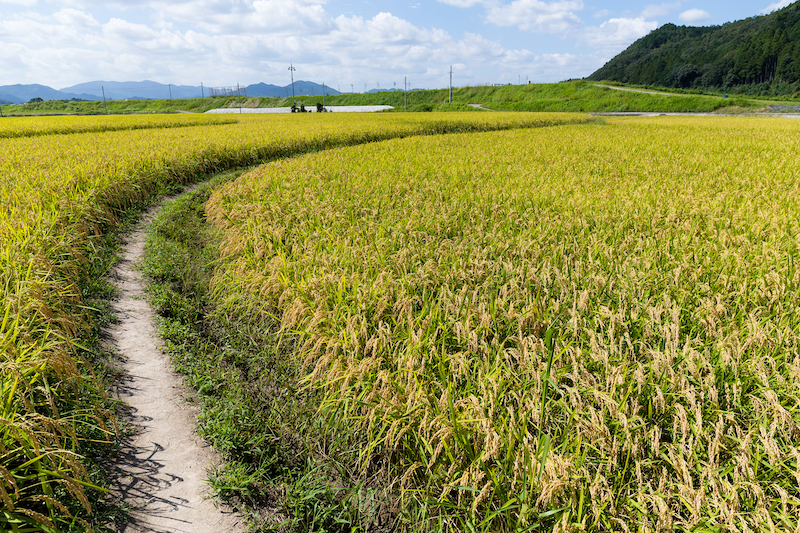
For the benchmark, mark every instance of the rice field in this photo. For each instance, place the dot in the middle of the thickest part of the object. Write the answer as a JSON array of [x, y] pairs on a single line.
[[582, 327], [27, 127], [65, 183]]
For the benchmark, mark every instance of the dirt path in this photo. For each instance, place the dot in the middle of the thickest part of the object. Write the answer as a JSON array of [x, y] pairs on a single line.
[[162, 467], [643, 91], [480, 106]]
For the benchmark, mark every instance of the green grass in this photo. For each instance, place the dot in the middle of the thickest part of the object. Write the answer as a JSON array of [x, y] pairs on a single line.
[[585, 96], [576, 95]]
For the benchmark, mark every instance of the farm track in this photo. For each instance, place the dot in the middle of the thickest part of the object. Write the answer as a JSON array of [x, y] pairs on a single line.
[[161, 467], [642, 91]]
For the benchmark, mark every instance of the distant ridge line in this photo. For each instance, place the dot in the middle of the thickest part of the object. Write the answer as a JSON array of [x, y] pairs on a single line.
[[144, 90]]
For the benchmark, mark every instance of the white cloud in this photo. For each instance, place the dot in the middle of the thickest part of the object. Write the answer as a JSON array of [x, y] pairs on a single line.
[[776, 6], [383, 29], [76, 18], [660, 10], [224, 42], [537, 16], [34, 31], [601, 14], [694, 15], [222, 17], [618, 33], [477, 46], [127, 33], [462, 3]]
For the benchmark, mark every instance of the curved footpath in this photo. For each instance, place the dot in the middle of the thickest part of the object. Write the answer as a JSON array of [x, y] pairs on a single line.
[[162, 468], [783, 112]]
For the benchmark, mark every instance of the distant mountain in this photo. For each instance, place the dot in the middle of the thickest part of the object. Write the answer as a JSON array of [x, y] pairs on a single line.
[[140, 90], [759, 55], [266, 89], [300, 88], [6, 99], [134, 90], [19, 94]]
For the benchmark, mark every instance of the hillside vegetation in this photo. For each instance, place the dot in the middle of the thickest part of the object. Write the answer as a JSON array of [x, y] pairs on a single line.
[[571, 96], [756, 56]]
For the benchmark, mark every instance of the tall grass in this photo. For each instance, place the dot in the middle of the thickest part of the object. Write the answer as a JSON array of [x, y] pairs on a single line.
[[580, 327]]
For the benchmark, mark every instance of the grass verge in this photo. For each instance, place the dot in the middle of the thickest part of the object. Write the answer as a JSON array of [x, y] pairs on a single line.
[[573, 96]]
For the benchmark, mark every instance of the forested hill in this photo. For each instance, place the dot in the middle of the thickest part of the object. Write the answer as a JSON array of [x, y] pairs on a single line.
[[759, 55]]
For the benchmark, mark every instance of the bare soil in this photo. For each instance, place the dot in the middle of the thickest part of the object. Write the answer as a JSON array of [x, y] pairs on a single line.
[[162, 467]]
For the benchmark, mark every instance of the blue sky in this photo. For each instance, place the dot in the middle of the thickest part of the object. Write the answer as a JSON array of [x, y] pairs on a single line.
[[343, 43]]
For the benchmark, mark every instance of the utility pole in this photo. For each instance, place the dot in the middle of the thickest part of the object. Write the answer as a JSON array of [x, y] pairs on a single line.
[[292, 69], [323, 94], [352, 91], [202, 94], [405, 93], [170, 91], [451, 84], [105, 109], [239, 95]]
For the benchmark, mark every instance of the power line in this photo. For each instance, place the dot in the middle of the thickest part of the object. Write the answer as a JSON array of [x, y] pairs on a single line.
[[451, 84], [405, 93], [292, 69]]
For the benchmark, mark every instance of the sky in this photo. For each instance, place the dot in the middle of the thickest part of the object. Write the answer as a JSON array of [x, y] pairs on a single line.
[[347, 44]]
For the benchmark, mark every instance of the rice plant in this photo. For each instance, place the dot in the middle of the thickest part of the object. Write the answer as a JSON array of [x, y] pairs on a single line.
[[583, 327], [63, 185], [32, 126]]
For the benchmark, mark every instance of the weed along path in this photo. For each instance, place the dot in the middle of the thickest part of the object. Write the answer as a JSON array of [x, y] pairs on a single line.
[[162, 465]]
